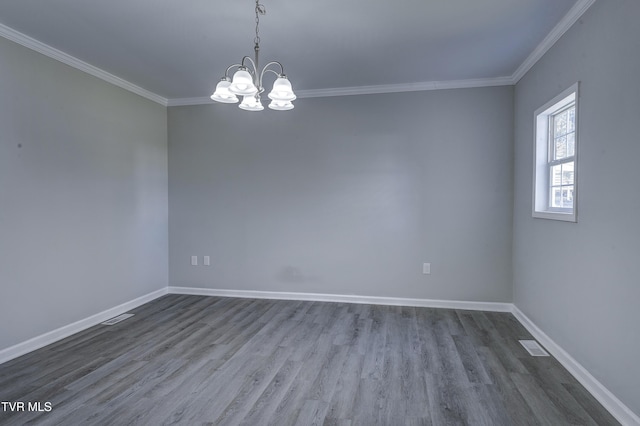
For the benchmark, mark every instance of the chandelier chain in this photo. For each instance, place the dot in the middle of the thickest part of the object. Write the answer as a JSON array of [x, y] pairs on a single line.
[[260, 10]]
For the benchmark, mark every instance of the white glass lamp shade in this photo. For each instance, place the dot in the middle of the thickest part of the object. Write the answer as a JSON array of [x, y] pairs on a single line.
[[282, 90], [281, 105], [251, 103], [222, 93], [242, 83]]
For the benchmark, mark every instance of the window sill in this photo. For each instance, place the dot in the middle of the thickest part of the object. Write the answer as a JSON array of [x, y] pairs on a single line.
[[563, 217]]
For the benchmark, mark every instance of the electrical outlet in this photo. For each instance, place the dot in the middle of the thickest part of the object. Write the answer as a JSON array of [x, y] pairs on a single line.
[[207, 261], [194, 260], [426, 268]]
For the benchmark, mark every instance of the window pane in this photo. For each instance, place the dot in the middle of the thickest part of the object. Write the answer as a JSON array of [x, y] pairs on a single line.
[[556, 175], [560, 123], [556, 197], [571, 119], [567, 173], [560, 148], [562, 197], [571, 144], [562, 185], [567, 196]]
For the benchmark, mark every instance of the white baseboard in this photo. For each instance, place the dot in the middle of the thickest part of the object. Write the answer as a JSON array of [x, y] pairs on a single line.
[[66, 331], [620, 411], [346, 298]]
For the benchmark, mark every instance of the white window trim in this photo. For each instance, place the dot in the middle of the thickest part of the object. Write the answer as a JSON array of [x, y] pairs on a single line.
[[540, 203]]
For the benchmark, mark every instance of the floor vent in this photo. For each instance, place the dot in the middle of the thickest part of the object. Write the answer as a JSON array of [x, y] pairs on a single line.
[[533, 348], [117, 319]]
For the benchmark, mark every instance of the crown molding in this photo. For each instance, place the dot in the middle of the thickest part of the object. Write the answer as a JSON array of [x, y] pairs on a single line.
[[190, 101], [558, 31], [65, 58], [567, 21], [404, 87], [372, 90]]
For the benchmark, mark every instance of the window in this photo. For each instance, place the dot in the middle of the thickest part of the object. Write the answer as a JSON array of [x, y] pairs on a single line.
[[555, 185]]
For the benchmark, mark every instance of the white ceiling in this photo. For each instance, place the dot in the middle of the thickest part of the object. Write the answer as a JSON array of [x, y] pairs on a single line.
[[180, 48]]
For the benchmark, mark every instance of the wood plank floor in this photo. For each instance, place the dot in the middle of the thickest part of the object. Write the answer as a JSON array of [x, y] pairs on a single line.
[[194, 360]]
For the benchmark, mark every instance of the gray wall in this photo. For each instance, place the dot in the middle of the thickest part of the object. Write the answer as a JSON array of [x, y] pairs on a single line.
[[347, 195], [580, 282], [83, 195]]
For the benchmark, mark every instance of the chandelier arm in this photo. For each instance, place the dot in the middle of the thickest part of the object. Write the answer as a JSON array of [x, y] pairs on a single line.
[[276, 63], [248, 58], [264, 70]]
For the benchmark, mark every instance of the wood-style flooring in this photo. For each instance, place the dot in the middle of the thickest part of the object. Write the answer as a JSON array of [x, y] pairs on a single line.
[[193, 360]]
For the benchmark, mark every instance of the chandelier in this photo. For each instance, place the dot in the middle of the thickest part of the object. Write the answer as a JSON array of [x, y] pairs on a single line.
[[247, 81]]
